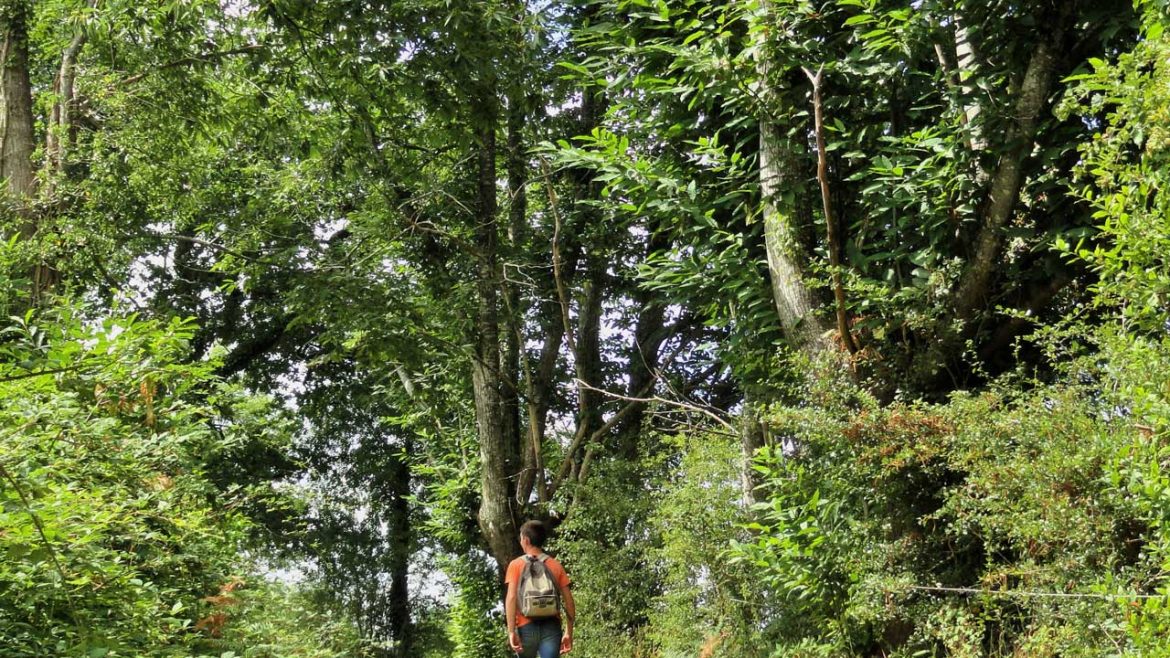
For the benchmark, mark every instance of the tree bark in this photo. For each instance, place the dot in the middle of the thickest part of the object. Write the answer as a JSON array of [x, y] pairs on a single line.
[[399, 534], [16, 115], [17, 174], [795, 304], [496, 520], [518, 459], [967, 70], [975, 286], [779, 188], [59, 133]]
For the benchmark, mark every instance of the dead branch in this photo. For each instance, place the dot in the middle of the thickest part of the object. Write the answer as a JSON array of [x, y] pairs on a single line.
[[830, 221]]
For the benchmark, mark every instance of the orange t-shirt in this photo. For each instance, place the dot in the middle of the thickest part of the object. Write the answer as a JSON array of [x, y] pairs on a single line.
[[516, 567]]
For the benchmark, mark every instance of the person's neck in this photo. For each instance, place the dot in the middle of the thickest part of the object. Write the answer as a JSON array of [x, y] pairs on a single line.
[[533, 551]]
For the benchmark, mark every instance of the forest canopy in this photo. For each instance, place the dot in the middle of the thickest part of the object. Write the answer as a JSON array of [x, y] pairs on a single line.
[[810, 327]]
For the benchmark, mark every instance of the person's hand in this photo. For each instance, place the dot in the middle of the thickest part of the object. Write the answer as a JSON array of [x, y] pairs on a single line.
[[566, 643], [514, 641]]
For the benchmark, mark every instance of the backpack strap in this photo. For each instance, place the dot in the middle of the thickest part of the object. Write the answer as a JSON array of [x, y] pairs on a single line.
[[530, 562]]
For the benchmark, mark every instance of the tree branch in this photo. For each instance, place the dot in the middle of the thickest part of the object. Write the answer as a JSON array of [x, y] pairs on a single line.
[[178, 237], [830, 221], [41, 373], [581, 439], [973, 289], [562, 293], [674, 403], [60, 117], [190, 61]]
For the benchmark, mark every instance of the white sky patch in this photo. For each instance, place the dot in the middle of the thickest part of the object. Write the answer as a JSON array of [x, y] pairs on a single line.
[[570, 104]]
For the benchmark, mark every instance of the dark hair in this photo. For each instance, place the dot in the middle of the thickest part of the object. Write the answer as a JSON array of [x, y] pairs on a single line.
[[535, 531]]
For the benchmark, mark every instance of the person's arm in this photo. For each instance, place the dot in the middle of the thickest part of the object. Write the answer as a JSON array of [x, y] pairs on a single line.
[[510, 615], [570, 618]]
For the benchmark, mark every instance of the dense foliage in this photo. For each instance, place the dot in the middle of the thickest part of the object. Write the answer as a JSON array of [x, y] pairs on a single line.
[[814, 327], [120, 538]]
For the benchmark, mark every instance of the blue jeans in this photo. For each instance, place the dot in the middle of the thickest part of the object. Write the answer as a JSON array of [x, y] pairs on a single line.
[[540, 638]]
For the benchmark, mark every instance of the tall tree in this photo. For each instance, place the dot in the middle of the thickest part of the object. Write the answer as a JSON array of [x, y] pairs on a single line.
[[17, 172], [782, 188]]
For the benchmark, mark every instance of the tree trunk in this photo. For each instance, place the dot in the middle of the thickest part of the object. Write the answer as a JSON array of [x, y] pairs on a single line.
[[588, 354], [518, 459], [780, 186], [794, 300], [540, 383], [399, 534], [975, 287], [585, 342], [16, 116], [496, 521], [555, 320], [59, 132], [968, 72], [587, 361], [17, 174], [782, 197], [751, 439], [649, 334]]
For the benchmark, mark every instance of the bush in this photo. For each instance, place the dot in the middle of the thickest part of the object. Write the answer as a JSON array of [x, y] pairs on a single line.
[[476, 620], [646, 546], [924, 529], [115, 541]]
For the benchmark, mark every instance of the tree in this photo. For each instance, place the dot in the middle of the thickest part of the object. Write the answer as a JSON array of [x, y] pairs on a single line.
[[17, 172]]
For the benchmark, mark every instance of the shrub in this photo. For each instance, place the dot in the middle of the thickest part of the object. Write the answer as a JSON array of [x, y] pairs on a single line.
[[922, 529], [115, 540]]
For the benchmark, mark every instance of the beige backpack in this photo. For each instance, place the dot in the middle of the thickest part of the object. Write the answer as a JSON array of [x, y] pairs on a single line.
[[538, 592]]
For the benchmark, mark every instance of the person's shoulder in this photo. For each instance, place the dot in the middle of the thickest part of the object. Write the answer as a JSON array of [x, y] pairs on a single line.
[[558, 571], [514, 569]]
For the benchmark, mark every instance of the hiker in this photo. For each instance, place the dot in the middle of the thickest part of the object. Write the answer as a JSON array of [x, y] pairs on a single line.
[[538, 588]]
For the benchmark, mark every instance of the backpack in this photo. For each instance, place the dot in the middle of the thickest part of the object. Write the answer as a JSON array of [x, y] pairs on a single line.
[[538, 594]]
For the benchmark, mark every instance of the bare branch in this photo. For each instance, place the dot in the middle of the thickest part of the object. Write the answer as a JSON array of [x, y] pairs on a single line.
[[830, 221], [661, 400], [206, 243], [562, 293], [580, 439]]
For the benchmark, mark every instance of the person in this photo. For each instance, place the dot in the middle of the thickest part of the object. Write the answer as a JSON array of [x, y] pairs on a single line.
[[537, 638]]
